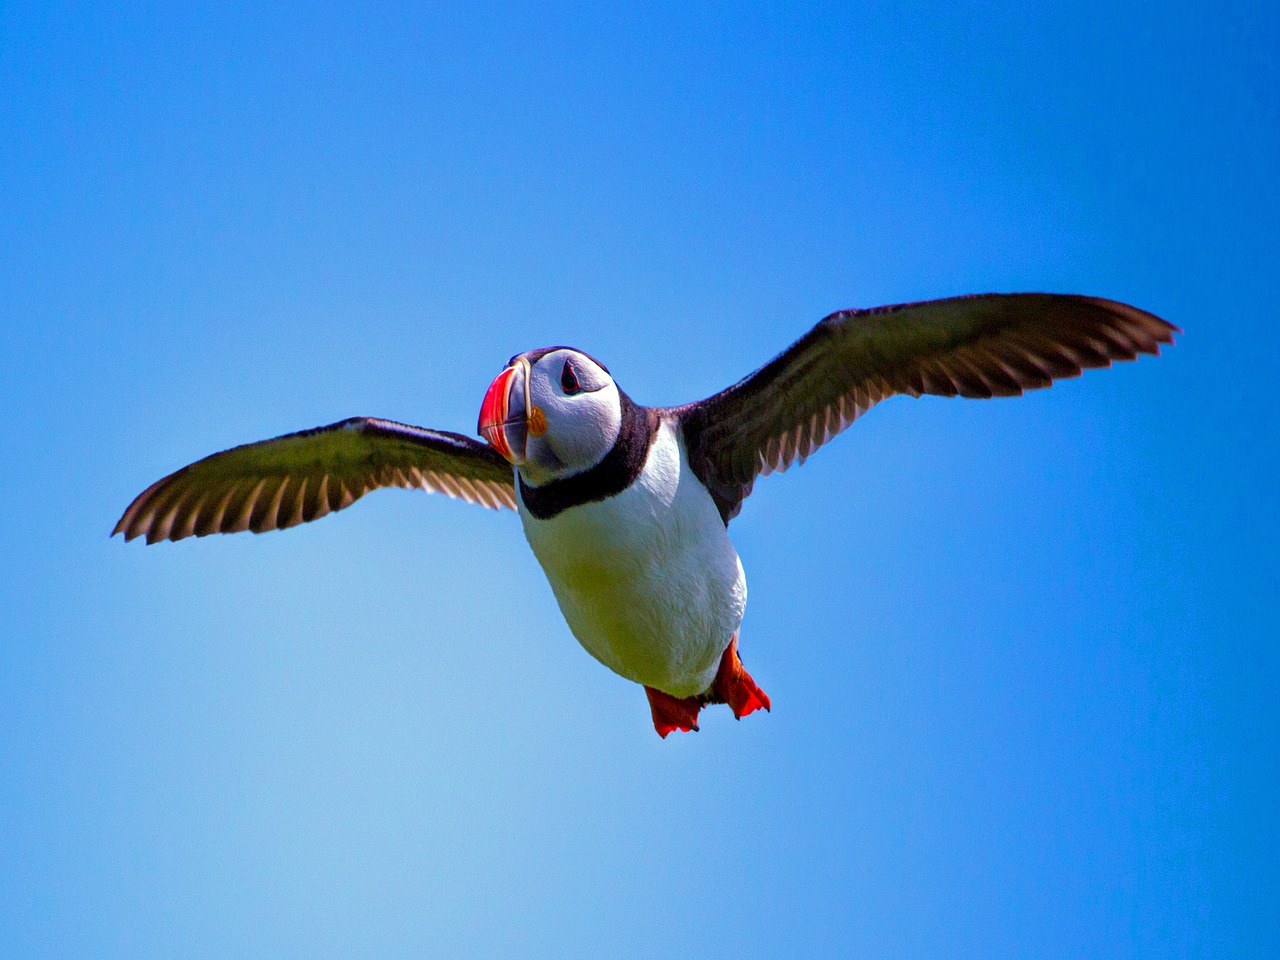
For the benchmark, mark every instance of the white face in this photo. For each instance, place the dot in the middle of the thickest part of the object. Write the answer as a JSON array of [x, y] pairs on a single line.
[[553, 417]]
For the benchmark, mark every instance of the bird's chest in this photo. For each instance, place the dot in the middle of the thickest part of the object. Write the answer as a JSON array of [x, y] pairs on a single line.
[[647, 579]]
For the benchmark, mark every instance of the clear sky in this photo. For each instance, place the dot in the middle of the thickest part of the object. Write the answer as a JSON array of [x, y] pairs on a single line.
[[1023, 654]]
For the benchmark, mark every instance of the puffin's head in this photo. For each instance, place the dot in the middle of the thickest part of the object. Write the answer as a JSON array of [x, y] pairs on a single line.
[[552, 412]]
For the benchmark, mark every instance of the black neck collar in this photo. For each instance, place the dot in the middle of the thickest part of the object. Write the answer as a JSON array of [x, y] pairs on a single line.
[[617, 471]]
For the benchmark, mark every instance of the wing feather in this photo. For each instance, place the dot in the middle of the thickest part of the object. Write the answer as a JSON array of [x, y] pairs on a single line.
[[280, 483], [989, 345]]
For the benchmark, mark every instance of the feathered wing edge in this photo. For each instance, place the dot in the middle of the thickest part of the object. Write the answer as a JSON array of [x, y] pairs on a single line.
[[299, 477], [986, 345]]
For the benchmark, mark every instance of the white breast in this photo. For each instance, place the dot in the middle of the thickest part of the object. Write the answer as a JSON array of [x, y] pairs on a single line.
[[647, 579]]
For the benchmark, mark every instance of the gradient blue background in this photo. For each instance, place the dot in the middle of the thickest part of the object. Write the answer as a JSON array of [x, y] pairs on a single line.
[[1023, 654]]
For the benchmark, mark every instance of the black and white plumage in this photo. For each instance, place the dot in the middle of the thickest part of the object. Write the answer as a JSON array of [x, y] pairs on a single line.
[[626, 507]]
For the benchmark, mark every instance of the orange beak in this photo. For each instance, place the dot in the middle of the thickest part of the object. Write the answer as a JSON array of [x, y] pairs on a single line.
[[499, 424]]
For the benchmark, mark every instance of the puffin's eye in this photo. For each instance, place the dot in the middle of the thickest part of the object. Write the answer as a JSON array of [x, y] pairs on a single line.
[[569, 380]]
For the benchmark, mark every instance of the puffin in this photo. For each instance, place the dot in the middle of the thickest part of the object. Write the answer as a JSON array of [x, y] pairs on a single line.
[[627, 507]]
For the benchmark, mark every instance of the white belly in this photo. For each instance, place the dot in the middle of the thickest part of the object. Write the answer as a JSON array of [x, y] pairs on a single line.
[[647, 580]]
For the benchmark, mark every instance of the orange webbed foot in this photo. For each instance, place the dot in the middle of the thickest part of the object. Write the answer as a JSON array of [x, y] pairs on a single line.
[[672, 713], [734, 686]]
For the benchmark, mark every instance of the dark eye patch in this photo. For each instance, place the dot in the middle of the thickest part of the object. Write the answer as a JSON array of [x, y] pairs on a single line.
[[569, 380]]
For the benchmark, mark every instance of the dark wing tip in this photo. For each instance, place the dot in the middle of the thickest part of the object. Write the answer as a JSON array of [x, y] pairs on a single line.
[[129, 523], [1148, 329]]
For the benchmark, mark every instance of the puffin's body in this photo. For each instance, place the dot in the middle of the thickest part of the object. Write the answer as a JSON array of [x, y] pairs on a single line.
[[627, 507], [647, 579]]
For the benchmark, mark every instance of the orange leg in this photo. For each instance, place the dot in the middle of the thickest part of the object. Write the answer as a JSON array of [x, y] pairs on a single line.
[[734, 685], [672, 713]]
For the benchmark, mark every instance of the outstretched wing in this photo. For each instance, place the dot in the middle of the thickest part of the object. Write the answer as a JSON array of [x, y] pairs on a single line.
[[302, 476], [989, 345]]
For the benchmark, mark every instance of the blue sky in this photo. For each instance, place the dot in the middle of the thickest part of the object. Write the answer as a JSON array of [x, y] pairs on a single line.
[[1022, 654]]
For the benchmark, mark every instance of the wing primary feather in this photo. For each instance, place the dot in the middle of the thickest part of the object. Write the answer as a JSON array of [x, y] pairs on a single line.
[[185, 524], [322, 498], [1015, 374], [506, 495], [987, 368], [1089, 355], [1026, 371], [334, 500], [299, 513], [1117, 342], [163, 524], [271, 515], [211, 521], [246, 506], [468, 491], [157, 505], [260, 517], [345, 496], [182, 497]]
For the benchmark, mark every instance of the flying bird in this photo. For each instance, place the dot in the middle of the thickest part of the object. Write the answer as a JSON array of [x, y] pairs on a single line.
[[627, 507]]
